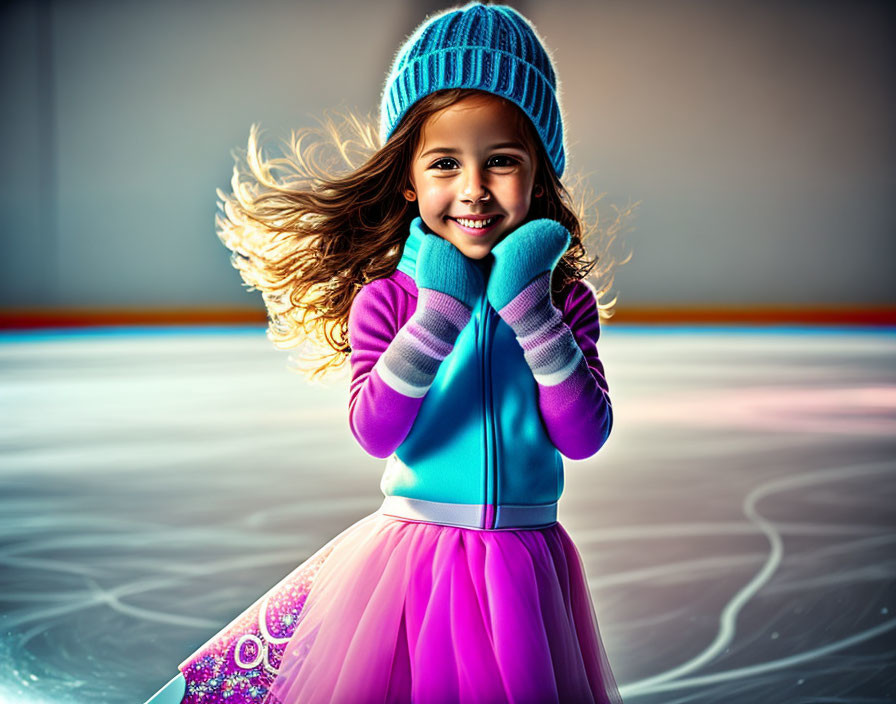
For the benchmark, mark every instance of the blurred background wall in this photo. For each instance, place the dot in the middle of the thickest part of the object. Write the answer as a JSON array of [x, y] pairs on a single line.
[[758, 137]]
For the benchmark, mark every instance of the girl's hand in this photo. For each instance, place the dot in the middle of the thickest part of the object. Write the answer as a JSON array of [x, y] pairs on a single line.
[[519, 288], [448, 285], [442, 267], [531, 250]]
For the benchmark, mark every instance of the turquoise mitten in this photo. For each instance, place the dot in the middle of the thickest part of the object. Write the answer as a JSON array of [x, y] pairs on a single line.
[[529, 251], [442, 267], [448, 285], [520, 290]]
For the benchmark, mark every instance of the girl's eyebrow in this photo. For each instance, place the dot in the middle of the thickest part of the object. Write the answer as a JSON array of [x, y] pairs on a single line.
[[450, 150]]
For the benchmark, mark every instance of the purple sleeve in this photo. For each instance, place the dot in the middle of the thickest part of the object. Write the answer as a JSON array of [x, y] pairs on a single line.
[[577, 412], [380, 418]]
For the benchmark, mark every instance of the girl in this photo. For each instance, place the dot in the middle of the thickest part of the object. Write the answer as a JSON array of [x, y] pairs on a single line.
[[454, 265]]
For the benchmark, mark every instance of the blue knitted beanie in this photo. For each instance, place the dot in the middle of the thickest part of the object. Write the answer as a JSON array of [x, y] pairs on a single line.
[[488, 47]]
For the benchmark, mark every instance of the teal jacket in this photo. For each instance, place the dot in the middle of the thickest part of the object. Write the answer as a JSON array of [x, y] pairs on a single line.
[[478, 453]]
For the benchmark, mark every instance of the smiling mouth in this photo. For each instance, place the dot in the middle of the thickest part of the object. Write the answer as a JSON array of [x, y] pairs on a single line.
[[477, 224]]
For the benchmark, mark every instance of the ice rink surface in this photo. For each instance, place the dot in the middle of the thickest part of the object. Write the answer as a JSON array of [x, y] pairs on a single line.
[[737, 528]]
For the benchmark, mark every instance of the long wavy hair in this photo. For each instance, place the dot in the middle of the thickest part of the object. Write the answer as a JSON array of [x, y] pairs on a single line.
[[309, 228]]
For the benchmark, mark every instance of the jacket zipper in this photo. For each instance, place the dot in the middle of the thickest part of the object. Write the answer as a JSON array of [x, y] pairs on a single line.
[[484, 366], [489, 313], [490, 467]]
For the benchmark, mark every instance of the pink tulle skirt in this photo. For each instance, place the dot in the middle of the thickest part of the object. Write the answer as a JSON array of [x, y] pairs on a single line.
[[398, 611]]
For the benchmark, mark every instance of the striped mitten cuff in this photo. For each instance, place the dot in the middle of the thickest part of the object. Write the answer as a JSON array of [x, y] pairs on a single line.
[[549, 346], [412, 359]]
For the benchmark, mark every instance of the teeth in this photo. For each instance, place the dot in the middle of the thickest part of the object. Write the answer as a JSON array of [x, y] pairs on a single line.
[[475, 223]]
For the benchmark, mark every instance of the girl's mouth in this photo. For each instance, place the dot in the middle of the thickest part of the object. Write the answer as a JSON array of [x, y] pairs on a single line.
[[477, 227]]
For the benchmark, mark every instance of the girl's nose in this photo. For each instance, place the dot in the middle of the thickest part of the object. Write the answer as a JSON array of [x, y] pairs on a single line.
[[474, 187]]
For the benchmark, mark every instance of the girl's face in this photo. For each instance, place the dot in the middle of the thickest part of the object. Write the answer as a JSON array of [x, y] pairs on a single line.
[[473, 164]]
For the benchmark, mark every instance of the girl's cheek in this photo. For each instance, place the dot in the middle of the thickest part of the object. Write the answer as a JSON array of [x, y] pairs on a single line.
[[435, 191]]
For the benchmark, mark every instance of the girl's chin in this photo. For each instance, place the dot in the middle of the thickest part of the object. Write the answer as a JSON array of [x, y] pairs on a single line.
[[474, 250]]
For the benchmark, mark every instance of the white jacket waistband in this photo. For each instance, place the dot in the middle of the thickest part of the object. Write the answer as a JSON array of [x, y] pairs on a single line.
[[507, 516]]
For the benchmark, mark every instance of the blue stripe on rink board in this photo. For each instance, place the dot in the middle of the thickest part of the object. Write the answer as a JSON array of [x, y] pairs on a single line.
[[639, 329], [52, 334], [171, 693], [37, 334]]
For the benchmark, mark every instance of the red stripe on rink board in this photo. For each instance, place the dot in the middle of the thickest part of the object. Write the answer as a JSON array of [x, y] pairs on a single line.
[[759, 315], [84, 317]]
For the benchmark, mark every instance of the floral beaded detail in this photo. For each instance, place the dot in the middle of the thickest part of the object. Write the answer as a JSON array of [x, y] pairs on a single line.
[[239, 665]]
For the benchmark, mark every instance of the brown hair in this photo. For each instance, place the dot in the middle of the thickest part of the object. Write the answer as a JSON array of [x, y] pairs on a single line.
[[311, 238]]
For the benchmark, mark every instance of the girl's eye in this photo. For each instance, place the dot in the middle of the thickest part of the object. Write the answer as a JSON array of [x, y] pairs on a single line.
[[445, 160], [503, 160]]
